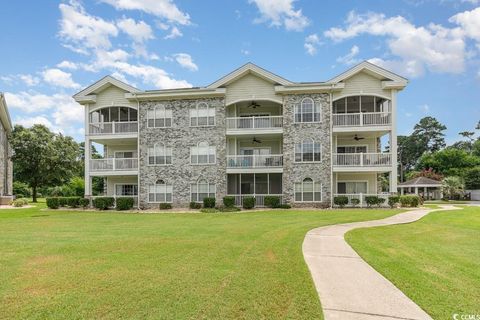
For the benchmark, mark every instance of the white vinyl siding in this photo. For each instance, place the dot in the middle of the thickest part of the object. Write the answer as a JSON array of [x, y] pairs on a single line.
[[362, 82], [248, 86]]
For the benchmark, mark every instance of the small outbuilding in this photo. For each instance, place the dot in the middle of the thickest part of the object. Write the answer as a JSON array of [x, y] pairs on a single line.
[[427, 188]]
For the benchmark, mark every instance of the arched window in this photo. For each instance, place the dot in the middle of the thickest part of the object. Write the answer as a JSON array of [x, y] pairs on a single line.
[[307, 111], [308, 151], [202, 153], [202, 189], [202, 115], [159, 154], [160, 192], [308, 191], [159, 117]]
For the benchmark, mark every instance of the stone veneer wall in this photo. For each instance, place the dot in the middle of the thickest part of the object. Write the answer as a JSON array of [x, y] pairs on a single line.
[[180, 137], [296, 132]]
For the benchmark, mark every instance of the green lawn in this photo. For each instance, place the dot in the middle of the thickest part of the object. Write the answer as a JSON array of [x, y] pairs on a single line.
[[435, 261], [76, 265]]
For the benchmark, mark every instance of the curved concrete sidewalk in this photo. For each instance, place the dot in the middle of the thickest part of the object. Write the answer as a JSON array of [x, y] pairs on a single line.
[[348, 287]]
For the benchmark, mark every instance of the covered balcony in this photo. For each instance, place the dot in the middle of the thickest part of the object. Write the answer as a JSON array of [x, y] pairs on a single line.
[[260, 117], [120, 187], [118, 159], [358, 186], [113, 121], [362, 151], [254, 154], [361, 112], [257, 185]]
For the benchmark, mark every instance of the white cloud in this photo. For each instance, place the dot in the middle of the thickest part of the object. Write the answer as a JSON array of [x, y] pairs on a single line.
[[64, 114], [165, 9], [433, 47], [29, 80], [350, 58], [31, 121], [138, 31], [34, 102], [185, 61], [84, 30], [59, 78], [174, 33], [311, 44], [67, 65], [470, 22], [245, 52], [281, 13]]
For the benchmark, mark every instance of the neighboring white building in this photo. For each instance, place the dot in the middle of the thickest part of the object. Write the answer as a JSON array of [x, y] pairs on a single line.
[[249, 133]]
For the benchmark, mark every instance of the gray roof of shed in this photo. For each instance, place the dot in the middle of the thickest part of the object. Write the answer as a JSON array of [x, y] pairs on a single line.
[[420, 181]]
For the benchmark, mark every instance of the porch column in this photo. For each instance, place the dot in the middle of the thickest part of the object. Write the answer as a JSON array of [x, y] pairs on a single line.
[[416, 191], [401, 191], [393, 143], [88, 156]]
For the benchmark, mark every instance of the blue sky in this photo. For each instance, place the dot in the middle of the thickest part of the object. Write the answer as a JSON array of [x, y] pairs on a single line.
[[50, 50]]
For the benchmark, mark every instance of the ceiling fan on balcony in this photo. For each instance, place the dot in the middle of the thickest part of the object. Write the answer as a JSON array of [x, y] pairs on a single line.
[[253, 105], [357, 138], [255, 140]]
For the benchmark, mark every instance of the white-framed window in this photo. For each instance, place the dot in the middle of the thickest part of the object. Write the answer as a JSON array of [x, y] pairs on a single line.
[[160, 192], [307, 111], [202, 115], [352, 149], [159, 154], [352, 187], [124, 154], [308, 191], [126, 189], [308, 151], [202, 153], [159, 117], [202, 189]]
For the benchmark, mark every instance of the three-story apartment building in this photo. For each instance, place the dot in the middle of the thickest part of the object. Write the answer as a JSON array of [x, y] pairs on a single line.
[[249, 133]]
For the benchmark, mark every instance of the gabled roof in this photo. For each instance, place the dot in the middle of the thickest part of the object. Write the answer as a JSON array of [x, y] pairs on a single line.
[[420, 182], [371, 69], [4, 114], [246, 69], [102, 84]]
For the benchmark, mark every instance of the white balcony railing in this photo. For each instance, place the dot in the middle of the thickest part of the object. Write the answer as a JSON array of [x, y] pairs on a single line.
[[114, 164], [255, 161], [362, 159], [270, 122], [113, 127], [361, 198], [364, 119], [259, 198]]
